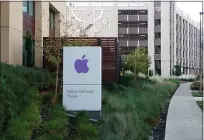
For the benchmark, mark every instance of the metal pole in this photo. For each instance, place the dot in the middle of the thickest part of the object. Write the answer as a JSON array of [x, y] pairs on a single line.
[[200, 71]]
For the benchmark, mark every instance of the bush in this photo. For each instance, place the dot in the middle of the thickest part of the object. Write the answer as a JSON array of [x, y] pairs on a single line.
[[196, 85], [141, 75], [187, 78], [16, 82], [139, 61], [126, 80], [176, 81], [85, 130], [156, 79], [21, 126], [177, 70]]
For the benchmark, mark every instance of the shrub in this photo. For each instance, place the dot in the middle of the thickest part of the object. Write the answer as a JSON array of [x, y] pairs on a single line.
[[56, 124], [141, 75], [19, 130], [200, 104], [16, 82], [199, 77], [197, 94], [85, 130], [176, 81], [128, 73], [196, 85], [21, 126], [126, 80], [139, 61], [187, 78], [156, 79], [150, 72], [177, 70], [50, 137]]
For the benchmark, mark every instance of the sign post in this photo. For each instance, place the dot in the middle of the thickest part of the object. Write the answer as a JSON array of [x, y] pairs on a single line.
[[82, 80]]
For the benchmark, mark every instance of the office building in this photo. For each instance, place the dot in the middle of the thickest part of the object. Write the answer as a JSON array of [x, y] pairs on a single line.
[[170, 36], [40, 18]]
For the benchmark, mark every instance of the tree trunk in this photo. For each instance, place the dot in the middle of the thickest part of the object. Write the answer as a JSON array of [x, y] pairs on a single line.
[[57, 75], [135, 71], [55, 98]]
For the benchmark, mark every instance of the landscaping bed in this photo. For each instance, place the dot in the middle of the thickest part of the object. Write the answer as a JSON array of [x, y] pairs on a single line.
[[200, 104], [20, 102], [159, 130], [27, 110], [132, 112], [197, 94]]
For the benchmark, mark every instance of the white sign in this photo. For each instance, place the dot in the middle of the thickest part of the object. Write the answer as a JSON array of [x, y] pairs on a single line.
[[82, 78]]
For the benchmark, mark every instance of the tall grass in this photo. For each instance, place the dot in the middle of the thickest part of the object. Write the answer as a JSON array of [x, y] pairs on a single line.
[[131, 114]]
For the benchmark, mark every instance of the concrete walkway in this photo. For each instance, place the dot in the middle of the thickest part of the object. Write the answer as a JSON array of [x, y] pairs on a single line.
[[184, 119]]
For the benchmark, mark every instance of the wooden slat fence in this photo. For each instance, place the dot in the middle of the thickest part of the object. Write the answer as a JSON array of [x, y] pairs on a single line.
[[110, 58]]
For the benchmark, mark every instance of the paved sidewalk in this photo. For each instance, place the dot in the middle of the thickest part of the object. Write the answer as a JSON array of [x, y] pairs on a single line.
[[184, 119]]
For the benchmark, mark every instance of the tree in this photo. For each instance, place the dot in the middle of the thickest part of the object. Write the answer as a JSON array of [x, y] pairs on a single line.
[[28, 48], [177, 70], [53, 48], [139, 61]]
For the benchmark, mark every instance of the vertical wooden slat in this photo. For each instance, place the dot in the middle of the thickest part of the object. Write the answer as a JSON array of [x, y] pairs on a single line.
[[109, 56]]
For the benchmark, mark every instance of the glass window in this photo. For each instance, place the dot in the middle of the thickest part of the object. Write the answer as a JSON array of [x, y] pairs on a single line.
[[31, 8], [157, 9], [157, 50], [52, 19], [28, 7], [25, 53], [157, 35], [157, 22], [25, 6]]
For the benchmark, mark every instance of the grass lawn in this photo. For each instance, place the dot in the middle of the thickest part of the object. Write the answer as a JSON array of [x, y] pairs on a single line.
[[197, 94], [200, 104]]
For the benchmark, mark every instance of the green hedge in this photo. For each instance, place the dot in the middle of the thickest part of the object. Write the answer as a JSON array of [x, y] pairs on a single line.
[[16, 82]]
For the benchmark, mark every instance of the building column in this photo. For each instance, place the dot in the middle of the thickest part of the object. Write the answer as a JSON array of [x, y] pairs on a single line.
[[165, 39], [151, 46], [41, 29], [11, 32]]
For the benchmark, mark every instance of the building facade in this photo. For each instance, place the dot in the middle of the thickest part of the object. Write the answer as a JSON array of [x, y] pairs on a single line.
[[39, 18], [170, 36]]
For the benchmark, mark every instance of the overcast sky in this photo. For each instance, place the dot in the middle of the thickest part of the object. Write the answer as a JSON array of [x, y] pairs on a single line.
[[191, 8]]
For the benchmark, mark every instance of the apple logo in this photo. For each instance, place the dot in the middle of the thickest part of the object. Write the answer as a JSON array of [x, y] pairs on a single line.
[[80, 65]]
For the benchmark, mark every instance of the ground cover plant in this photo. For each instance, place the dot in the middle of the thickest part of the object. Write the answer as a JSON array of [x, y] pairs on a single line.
[[130, 109], [197, 94], [27, 111], [196, 85], [200, 104], [18, 85], [131, 112]]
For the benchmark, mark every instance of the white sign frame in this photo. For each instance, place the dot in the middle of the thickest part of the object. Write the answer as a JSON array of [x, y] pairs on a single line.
[[79, 95]]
